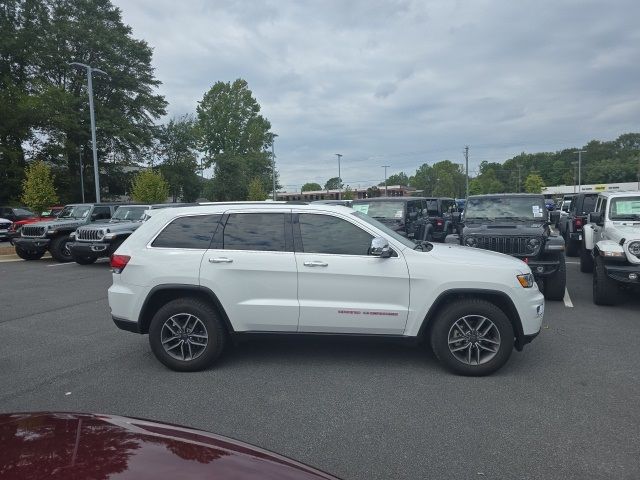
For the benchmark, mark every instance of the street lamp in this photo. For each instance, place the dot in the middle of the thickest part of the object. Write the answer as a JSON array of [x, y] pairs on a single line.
[[273, 165], [90, 71], [385, 178], [339, 155]]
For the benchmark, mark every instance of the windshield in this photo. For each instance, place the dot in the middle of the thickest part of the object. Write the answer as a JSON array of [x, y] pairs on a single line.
[[625, 208], [380, 226], [75, 211], [432, 207], [24, 213], [385, 209], [505, 208], [129, 213], [589, 204]]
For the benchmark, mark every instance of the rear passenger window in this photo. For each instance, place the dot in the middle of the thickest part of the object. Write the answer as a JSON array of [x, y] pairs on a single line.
[[188, 232], [255, 231]]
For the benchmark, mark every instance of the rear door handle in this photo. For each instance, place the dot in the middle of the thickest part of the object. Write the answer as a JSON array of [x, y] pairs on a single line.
[[315, 263], [220, 260]]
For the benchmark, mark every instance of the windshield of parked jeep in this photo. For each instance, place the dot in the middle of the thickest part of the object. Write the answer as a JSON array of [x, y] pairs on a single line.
[[625, 208], [75, 211], [386, 230], [505, 208], [386, 210], [133, 214]]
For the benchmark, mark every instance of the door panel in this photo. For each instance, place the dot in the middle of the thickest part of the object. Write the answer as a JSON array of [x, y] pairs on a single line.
[[251, 268], [347, 293]]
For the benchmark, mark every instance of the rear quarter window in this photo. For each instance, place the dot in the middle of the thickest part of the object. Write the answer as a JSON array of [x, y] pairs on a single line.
[[195, 231]]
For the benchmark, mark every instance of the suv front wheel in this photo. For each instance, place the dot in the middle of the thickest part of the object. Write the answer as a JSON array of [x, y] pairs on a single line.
[[472, 337], [186, 335]]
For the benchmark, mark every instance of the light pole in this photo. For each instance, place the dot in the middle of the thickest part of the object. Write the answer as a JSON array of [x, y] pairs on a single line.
[[385, 178], [339, 155], [580, 152], [81, 173], [90, 71], [273, 165], [575, 175]]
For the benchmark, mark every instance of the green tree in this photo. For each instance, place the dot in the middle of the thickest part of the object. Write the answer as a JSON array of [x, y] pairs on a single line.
[[47, 99], [256, 191], [373, 192], [348, 193], [235, 139], [533, 183], [38, 191], [442, 179], [176, 148], [333, 183], [396, 179], [311, 187], [149, 186]]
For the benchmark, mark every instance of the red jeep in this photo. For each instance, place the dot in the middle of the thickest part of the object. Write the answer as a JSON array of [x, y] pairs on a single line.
[[52, 212]]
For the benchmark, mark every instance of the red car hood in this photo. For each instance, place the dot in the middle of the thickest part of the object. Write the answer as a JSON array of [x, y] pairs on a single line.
[[88, 446], [19, 223]]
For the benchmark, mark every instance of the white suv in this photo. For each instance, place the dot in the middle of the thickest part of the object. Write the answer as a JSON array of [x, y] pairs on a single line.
[[611, 245], [193, 277]]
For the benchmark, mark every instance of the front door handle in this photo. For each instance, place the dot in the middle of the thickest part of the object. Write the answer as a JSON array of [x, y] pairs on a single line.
[[220, 260], [315, 263]]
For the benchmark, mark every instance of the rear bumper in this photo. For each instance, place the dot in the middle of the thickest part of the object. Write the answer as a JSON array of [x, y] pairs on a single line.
[[30, 244], [91, 249], [438, 235], [575, 236], [128, 325], [622, 273]]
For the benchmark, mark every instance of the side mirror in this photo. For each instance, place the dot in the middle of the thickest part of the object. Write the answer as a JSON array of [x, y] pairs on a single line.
[[380, 248], [596, 217], [554, 216], [456, 217]]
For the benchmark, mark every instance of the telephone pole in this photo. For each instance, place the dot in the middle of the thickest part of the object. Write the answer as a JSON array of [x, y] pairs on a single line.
[[385, 178], [466, 161], [580, 152], [339, 155]]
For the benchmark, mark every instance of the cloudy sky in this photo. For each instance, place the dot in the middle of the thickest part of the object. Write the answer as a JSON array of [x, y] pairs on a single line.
[[401, 82]]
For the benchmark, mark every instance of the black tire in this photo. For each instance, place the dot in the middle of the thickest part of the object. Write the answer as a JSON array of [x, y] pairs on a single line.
[[444, 324], [83, 259], [29, 254], [211, 323], [59, 250], [556, 284], [605, 290], [586, 260], [571, 247]]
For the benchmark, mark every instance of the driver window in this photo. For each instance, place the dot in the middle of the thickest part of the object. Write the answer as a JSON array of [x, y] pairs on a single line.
[[328, 234]]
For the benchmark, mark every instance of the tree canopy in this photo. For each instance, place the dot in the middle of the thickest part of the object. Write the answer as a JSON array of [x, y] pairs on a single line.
[[333, 183], [38, 192], [149, 186], [235, 139], [311, 187], [43, 101], [396, 179]]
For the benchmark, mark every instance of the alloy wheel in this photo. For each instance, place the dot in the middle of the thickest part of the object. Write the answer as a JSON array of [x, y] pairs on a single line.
[[474, 340], [184, 336]]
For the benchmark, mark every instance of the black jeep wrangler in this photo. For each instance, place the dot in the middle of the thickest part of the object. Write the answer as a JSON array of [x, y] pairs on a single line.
[[571, 225], [405, 215], [518, 225]]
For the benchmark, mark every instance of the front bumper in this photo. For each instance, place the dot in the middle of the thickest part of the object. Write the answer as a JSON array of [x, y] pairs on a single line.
[[30, 244], [4, 234], [623, 273], [92, 249], [543, 268]]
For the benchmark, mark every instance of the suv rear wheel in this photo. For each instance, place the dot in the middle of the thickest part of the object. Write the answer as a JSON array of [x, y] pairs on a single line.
[[186, 335], [472, 337]]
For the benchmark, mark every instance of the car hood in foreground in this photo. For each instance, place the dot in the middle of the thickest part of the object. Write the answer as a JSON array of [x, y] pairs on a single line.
[[83, 446]]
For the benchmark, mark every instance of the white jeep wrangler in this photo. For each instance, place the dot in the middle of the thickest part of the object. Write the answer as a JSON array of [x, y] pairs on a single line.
[[611, 244]]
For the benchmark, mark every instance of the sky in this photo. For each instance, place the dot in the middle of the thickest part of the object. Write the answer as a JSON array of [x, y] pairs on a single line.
[[402, 83]]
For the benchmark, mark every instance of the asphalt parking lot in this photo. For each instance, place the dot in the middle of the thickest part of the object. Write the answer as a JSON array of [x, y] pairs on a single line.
[[568, 407]]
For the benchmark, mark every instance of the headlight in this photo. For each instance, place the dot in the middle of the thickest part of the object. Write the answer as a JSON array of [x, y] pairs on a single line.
[[533, 244], [470, 242], [634, 248], [526, 280]]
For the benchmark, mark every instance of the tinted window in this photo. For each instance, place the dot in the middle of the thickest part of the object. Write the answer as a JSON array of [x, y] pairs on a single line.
[[188, 232], [255, 231], [327, 234], [102, 213], [589, 204]]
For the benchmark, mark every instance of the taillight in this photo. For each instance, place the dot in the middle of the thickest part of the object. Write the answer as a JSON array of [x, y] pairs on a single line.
[[118, 262], [439, 222], [578, 223]]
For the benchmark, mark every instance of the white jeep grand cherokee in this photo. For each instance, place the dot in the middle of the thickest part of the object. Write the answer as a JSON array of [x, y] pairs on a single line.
[[194, 277]]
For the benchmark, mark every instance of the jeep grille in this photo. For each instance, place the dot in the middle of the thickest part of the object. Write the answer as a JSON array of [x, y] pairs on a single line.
[[509, 245], [87, 234], [32, 231]]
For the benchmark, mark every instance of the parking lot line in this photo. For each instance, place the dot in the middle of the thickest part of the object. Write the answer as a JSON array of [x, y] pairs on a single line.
[[572, 263], [567, 299], [60, 264]]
